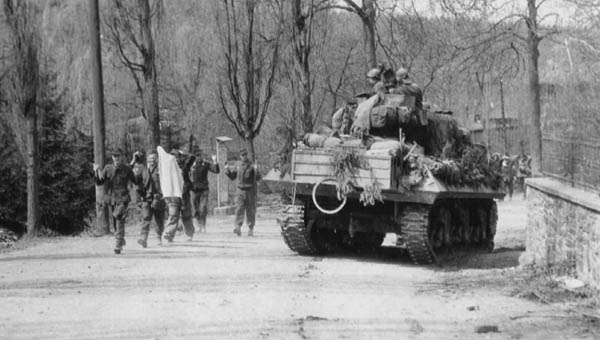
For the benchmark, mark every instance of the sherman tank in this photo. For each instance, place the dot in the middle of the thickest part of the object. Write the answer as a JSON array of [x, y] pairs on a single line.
[[405, 170]]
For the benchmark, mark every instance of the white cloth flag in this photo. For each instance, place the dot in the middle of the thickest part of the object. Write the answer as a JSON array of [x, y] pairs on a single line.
[[171, 180]]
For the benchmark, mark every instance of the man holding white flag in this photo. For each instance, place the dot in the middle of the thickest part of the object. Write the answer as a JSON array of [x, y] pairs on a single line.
[[176, 190]]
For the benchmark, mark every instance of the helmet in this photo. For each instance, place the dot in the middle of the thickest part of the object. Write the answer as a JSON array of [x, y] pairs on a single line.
[[374, 73], [402, 73]]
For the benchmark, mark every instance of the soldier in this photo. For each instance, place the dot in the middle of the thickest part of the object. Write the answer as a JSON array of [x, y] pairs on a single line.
[[199, 194], [523, 163], [152, 200], [406, 87], [245, 197], [117, 177], [176, 205], [374, 79]]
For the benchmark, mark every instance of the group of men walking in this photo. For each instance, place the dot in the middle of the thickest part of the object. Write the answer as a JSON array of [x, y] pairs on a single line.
[[190, 206]]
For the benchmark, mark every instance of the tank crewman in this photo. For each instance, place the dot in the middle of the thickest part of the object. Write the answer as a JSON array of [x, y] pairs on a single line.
[[406, 87], [180, 206], [116, 177], [199, 190], [153, 204], [245, 197], [374, 79]]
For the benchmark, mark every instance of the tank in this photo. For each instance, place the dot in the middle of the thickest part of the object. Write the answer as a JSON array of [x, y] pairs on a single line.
[[438, 198]]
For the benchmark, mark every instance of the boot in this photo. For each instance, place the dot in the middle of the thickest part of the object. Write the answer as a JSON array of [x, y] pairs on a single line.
[[118, 246], [142, 243], [250, 232], [237, 231], [159, 241], [168, 238]]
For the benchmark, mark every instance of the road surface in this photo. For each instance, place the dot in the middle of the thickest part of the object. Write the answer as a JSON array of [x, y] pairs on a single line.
[[221, 286]]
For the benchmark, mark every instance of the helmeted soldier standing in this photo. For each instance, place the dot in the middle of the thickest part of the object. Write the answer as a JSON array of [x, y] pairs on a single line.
[[406, 87], [245, 196], [176, 205], [374, 79], [152, 201], [199, 190], [116, 177]]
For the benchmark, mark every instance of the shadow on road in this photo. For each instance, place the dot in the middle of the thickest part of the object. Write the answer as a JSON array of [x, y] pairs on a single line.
[[500, 258]]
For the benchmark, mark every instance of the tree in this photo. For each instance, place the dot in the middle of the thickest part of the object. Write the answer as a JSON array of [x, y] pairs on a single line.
[[102, 224], [529, 29], [534, 36], [367, 14], [130, 30], [248, 67], [22, 88]]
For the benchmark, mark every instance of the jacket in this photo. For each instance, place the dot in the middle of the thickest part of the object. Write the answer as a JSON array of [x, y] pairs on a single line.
[[149, 184], [199, 174], [246, 175], [116, 180]]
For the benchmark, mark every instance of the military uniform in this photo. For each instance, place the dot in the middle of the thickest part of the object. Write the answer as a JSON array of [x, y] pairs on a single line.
[[245, 196], [181, 206], [199, 190], [116, 180], [152, 202]]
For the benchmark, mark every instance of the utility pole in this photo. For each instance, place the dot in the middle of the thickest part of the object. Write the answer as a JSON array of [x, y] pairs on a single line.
[[102, 226]]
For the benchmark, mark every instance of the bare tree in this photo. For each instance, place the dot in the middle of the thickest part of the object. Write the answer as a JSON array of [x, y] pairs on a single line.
[[367, 14], [529, 30], [306, 36], [22, 87], [102, 224], [130, 30], [250, 57]]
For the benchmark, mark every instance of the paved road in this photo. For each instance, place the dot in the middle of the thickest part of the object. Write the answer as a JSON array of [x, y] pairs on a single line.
[[225, 287]]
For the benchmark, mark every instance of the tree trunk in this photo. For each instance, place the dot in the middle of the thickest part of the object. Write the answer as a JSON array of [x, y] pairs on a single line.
[[249, 143], [23, 87], [102, 225], [151, 106], [535, 144], [33, 183], [504, 125], [369, 32], [302, 46]]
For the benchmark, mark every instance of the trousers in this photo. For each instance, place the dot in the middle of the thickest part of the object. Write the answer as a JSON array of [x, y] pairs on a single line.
[[175, 207], [158, 212], [245, 203], [200, 205]]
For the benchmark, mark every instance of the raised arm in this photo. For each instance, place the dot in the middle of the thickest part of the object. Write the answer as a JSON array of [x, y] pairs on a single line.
[[214, 167]]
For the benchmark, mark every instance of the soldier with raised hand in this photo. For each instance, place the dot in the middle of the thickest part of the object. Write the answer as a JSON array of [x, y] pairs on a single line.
[[246, 174], [116, 177], [199, 190], [180, 206], [152, 201]]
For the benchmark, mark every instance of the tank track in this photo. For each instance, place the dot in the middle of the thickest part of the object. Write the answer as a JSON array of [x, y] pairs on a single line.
[[295, 232], [414, 224]]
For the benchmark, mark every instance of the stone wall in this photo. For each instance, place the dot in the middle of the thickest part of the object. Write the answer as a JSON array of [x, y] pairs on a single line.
[[563, 230]]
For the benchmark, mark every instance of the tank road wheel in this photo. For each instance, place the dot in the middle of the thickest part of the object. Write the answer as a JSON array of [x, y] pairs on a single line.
[[295, 232], [414, 224]]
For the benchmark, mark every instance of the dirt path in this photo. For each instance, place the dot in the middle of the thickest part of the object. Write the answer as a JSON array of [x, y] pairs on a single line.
[[224, 287]]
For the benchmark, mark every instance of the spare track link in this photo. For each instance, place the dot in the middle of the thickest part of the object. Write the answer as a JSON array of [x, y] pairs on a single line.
[[295, 232], [414, 226]]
